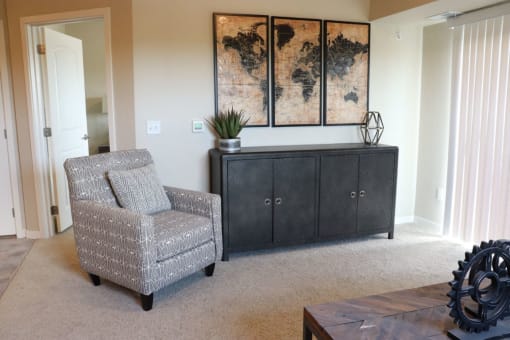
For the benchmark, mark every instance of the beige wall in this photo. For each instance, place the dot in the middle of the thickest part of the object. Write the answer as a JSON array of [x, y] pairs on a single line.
[[174, 83], [2, 9], [382, 8], [121, 19], [434, 124], [167, 48]]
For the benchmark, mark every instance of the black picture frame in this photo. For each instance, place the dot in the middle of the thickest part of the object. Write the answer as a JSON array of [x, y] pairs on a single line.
[[346, 72], [241, 43], [296, 71]]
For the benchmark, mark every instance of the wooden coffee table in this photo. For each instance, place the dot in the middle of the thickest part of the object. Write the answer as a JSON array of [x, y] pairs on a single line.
[[419, 313]]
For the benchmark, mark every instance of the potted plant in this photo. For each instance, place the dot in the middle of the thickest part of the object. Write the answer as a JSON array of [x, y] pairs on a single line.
[[227, 125]]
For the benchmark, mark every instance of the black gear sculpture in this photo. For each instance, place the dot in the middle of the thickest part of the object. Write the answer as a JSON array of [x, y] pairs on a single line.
[[480, 293]]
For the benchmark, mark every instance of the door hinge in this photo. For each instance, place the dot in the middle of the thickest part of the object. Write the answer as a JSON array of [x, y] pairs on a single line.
[[54, 210], [13, 213], [47, 132], [5, 133], [41, 48]]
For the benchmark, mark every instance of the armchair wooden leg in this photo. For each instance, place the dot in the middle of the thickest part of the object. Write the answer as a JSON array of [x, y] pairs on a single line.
[[147, 301], [96, 280], [209, 270]]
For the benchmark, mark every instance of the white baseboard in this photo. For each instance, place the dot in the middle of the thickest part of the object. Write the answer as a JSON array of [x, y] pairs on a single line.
[[428, 225], [21, 233], [423, 224], [33, 234], [404, 219]]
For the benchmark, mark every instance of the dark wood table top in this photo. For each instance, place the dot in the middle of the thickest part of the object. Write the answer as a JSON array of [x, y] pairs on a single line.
[[419, 313]]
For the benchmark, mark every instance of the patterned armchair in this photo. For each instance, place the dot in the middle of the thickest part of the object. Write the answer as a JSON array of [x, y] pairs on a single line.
[[137, 250]]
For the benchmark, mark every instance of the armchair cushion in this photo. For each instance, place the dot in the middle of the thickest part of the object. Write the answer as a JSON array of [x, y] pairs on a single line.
[[139, 190], [177, 232]]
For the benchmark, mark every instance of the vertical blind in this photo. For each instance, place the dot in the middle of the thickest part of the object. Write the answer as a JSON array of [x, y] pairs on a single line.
[[480, 153]]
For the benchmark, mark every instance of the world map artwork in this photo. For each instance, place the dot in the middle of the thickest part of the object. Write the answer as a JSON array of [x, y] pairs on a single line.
[[297, 72], [241, 65], [347, 55]]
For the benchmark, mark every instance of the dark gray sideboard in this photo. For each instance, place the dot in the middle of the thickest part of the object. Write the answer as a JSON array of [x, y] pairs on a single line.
[[285, 195]]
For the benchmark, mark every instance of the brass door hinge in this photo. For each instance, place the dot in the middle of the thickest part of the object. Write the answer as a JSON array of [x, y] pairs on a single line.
[[41, 48]]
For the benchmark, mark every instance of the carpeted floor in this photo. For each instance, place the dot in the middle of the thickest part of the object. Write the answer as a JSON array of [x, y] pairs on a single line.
[[257, 295], [12, 253]]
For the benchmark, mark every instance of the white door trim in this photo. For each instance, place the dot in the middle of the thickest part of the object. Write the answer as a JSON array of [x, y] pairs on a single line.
[[12, 145], [40, 157]]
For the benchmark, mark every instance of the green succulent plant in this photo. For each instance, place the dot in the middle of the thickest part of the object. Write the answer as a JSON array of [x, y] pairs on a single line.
[[228, 124]]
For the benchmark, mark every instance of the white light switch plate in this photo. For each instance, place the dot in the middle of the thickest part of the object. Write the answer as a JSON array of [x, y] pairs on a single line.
[[197, 126], [153, 127]]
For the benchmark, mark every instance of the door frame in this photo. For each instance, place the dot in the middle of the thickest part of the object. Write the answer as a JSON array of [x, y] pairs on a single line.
[[35, 100], [12, 145]]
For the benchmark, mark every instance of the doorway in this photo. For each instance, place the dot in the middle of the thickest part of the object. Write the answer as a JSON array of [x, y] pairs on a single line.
[[92, 29], [91, 34], [7, 225], [11, 202]]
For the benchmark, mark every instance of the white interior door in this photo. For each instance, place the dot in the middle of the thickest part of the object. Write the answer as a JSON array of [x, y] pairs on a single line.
[[66, 111], [7, 223]]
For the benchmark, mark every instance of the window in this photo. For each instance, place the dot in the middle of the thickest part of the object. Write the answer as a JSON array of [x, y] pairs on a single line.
[[479, 167]]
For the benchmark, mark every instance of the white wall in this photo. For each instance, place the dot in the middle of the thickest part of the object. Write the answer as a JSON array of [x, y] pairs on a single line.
[[434, 125], [173, 77], [395, 78], [91, 33]]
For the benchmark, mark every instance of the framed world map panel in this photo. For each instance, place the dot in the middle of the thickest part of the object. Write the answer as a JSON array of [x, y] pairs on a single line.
[[296, 71], [241, 65], [346, 63]]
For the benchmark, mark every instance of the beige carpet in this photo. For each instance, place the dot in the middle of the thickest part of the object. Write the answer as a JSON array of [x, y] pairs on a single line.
[[12, 253], [259, 295]]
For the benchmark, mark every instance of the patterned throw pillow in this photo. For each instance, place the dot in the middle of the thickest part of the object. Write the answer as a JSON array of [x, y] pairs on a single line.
[[139, 190]]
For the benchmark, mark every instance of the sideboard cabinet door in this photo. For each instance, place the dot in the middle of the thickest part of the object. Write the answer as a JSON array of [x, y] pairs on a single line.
[[250, 196], [338, 195], [357, 194], [295, 192], [377, 191]]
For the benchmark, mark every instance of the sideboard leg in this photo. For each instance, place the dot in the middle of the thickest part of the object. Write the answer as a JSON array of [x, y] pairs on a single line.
[[390, 235], [225, 256]]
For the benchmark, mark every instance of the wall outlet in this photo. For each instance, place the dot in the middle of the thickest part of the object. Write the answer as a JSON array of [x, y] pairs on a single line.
[[197, 126], [153, 127]]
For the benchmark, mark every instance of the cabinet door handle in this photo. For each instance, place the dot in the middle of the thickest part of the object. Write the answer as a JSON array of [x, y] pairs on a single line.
[[267, 201], [278, 201], [353, 194], [362, 193]]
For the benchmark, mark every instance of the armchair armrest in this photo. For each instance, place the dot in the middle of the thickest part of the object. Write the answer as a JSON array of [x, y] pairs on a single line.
[[199, 203], [115, 243]]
